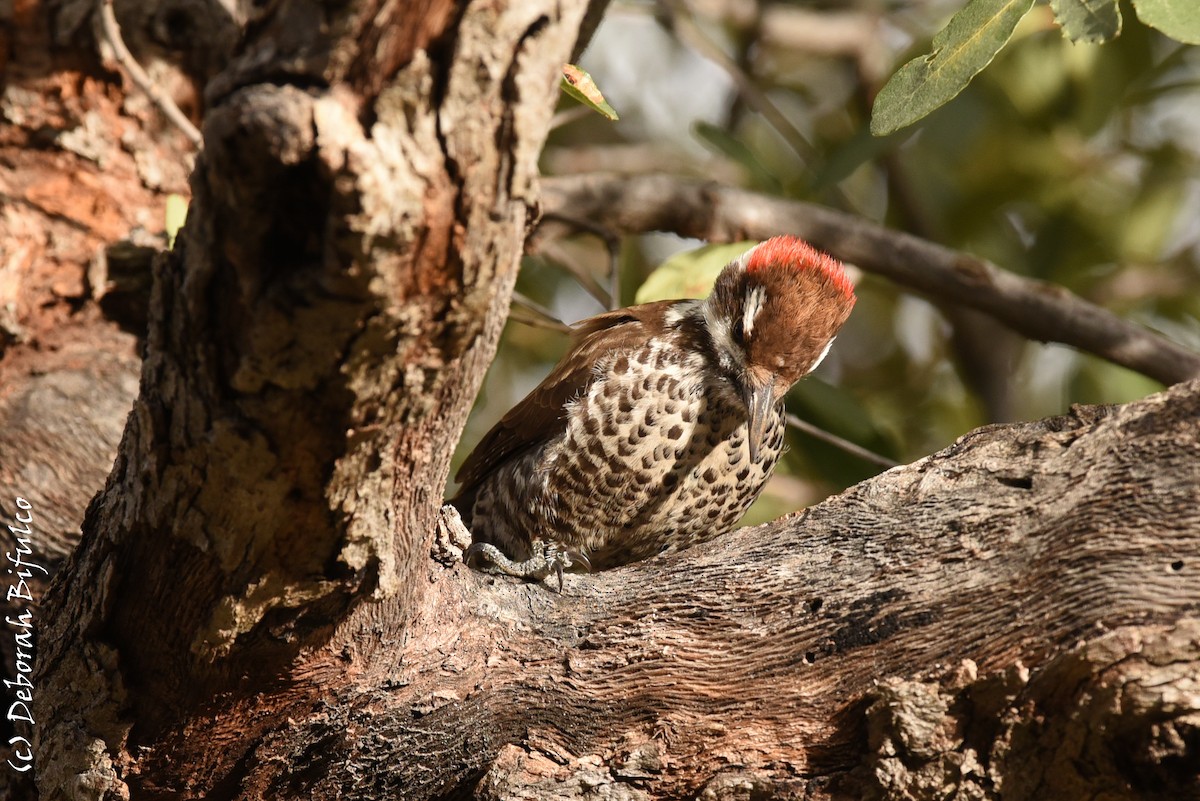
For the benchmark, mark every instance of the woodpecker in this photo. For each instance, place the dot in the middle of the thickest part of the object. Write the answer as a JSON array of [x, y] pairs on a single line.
[[660, 425]]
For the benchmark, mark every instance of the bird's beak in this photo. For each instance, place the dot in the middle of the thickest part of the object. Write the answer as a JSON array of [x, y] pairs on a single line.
[[758, 391]]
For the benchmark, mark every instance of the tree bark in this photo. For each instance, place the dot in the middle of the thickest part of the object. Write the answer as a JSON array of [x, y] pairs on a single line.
[[253, 611], [316, 337], [1014, 617], [84, 174]]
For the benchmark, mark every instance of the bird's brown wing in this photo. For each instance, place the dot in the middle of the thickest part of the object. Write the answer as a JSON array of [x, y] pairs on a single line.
[[541, 415]]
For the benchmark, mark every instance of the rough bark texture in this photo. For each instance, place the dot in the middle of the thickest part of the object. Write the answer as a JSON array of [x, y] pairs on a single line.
[[84, 169], [316, 337], [252, 611], [1014, 617]]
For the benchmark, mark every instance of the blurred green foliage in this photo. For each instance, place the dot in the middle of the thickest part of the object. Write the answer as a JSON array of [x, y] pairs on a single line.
[[981, 28], [1072, 163]]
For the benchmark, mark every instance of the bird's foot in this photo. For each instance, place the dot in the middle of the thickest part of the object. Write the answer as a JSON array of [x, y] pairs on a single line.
[[452, 538], [547, 558]]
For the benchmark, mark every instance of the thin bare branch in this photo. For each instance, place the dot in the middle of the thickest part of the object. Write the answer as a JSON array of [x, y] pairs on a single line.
[[1036, 309], [112, 32], [552, 251], [691, 34], [611, 241], [528, 311], [838, 442]]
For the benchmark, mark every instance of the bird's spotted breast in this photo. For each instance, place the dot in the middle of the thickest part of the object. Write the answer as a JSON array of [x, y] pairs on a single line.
[[653, 455]]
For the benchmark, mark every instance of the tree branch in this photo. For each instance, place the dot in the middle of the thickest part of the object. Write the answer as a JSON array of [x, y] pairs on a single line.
[[1036, 309], [112, 32], [1016, 612], [315, 339]]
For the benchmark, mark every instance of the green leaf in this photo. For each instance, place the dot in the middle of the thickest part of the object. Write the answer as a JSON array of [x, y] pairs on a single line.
[[1179, 19], [965, 46], [579, 85], [690, 274], [176, 213], [1091, 21]]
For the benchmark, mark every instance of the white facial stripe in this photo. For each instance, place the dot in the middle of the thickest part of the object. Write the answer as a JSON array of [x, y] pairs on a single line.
[[821, 358], [718, 328], [754, 304]]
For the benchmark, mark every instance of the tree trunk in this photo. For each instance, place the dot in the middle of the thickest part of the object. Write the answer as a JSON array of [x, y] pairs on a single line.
[[315, 341], [253, 611], [84, 174]]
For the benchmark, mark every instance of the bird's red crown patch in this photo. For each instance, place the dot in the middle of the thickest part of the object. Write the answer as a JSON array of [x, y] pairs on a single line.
[[794, 252]]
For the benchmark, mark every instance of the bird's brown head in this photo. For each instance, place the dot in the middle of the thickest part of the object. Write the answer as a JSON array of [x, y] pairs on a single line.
[[772, 315]]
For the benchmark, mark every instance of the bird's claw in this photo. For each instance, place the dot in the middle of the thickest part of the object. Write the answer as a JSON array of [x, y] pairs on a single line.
[[559, 559], [547, 558]]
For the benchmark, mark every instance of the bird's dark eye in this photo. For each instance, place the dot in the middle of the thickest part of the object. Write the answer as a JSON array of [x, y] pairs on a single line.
[[739, 332]]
